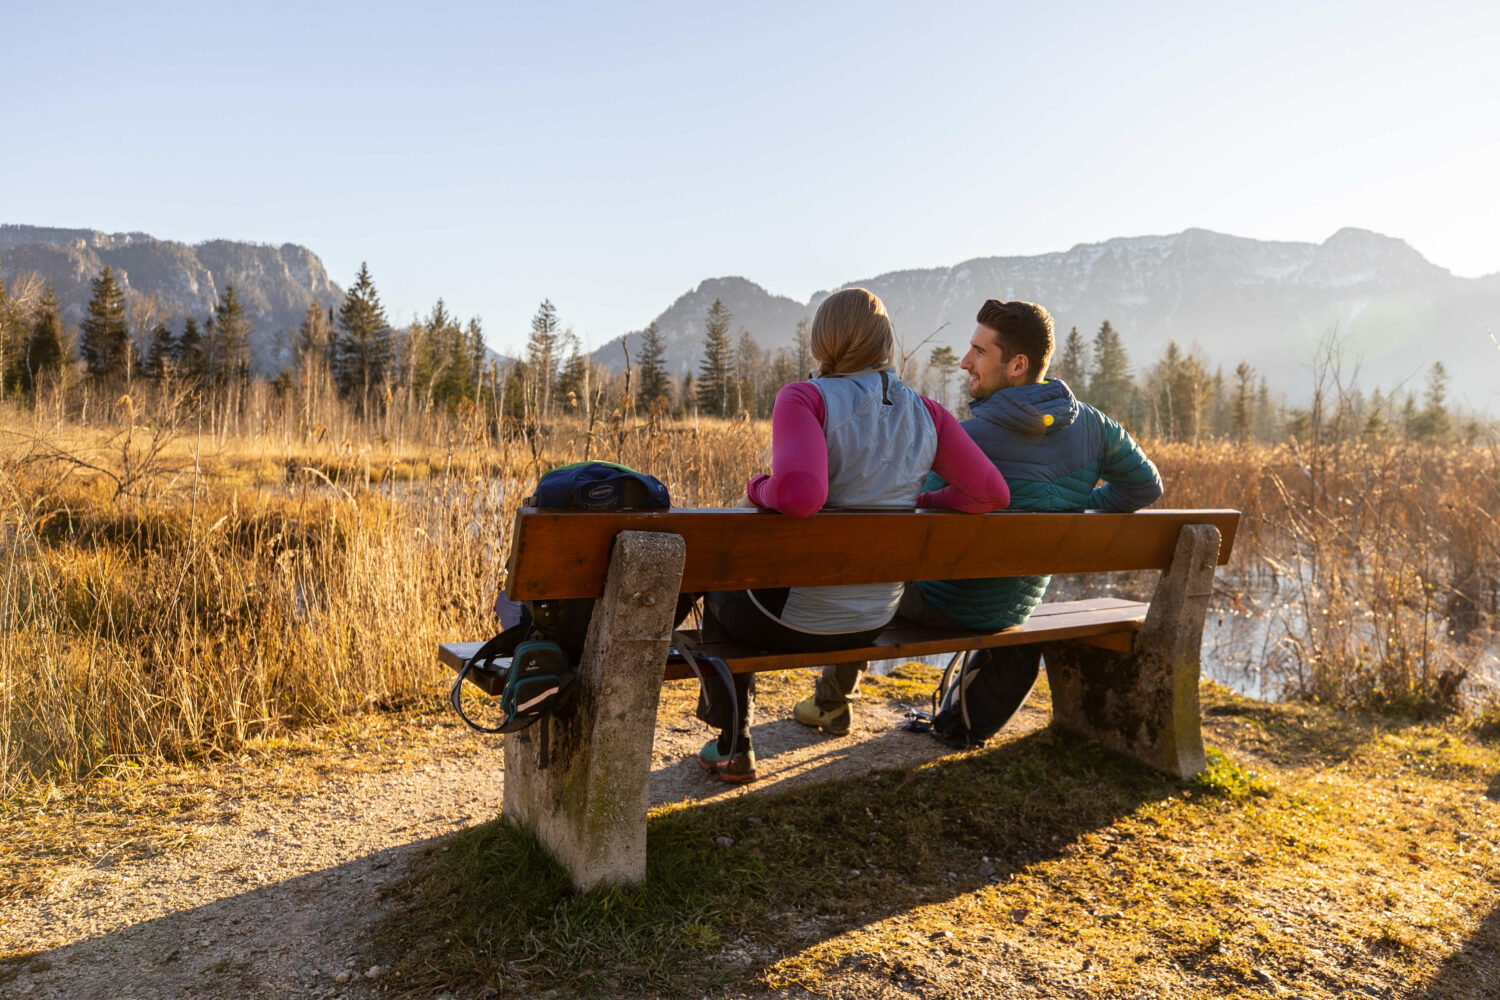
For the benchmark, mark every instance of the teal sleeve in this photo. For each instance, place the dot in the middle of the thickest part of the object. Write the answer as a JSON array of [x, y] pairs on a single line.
[[1130, 478]]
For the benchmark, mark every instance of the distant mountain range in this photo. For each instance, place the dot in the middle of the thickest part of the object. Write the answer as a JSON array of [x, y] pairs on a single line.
[[276, 284], [1268, 303]]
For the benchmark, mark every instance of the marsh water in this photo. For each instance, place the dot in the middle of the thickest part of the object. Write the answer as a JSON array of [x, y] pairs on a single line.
[[1250, 635]]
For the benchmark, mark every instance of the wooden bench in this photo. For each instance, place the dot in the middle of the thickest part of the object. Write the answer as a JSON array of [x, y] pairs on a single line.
[[1122, 672]]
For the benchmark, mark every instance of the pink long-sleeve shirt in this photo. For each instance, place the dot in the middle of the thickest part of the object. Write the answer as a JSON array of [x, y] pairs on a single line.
[[798, 483]]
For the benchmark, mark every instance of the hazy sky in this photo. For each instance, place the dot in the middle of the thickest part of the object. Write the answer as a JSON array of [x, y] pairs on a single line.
[[610, 156]]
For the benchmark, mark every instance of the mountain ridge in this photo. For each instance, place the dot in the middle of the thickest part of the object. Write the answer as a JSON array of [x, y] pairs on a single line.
[[1235, 298], [1271, 303], [276, 283]]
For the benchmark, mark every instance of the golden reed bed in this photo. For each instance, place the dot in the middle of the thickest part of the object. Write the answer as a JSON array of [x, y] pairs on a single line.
[[172, 586]]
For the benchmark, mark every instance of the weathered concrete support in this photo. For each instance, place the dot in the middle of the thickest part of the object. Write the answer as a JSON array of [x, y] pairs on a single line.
[[1145, 703], [579, 778]]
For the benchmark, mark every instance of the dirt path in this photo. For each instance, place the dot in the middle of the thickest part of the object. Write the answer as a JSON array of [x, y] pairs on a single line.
[[277, 895]]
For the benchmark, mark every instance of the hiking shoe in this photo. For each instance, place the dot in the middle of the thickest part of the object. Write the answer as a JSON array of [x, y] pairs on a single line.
[[834, 721], [736, 769]]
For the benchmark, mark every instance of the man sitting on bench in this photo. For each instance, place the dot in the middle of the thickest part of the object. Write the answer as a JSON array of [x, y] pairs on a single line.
[[1053, 451]]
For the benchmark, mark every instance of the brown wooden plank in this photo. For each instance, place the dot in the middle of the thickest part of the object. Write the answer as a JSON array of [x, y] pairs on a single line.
[[564, 554], [1118, 642], [454, 655], [909, 641], [1107, 621]]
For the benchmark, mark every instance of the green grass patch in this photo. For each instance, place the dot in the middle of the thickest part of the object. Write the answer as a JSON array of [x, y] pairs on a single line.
[[1227, 780]]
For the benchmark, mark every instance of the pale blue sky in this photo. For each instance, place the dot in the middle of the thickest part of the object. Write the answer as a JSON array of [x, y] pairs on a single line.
[[609, 157]]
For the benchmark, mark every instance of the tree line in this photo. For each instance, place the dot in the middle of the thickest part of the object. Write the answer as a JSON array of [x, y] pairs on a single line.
[[440, 363], [352, 350]]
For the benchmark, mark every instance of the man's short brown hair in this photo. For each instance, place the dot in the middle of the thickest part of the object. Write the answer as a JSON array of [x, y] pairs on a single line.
[[1020, 328]]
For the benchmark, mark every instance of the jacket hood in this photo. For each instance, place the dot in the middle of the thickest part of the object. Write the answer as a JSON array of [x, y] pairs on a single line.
[[1042, 408]]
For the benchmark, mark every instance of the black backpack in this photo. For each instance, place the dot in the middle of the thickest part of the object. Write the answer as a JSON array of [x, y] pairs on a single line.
[[530, 664]]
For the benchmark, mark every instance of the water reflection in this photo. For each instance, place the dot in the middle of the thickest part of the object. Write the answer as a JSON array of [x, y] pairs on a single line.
[[1248, 637]]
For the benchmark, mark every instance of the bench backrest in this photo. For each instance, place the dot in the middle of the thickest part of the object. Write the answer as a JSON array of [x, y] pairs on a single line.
[[556, 554]]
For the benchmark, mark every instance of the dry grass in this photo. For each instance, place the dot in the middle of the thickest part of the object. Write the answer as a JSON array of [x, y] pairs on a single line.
[[241, 588], [175, 583], [1382, 561]]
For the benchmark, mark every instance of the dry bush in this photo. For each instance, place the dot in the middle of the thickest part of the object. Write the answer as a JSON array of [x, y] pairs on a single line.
[[1380, 559], [244, 586]]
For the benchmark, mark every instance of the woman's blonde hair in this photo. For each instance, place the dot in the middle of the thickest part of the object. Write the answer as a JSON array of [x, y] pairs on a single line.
[[851, 332]]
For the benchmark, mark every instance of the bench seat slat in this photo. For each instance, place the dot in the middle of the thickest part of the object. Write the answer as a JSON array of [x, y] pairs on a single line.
[[906, 641], [1094, 619]]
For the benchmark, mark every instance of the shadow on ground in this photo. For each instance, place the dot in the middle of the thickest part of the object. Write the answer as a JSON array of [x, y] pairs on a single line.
[[734, 883], [287, 938], [1472, 972]]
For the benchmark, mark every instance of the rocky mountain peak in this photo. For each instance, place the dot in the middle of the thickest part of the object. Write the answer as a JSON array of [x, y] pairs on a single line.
[[166, 281]]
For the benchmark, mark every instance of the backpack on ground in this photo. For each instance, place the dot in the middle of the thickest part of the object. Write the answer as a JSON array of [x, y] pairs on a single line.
[[980, 692], [531, 663]]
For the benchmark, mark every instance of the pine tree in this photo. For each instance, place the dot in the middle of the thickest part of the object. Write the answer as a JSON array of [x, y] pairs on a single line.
[[516, 380], [1265, 411], [46, 349], [1110, 382], [473, 347], [1192, 393], [1411, 417], [714, 371], [1180, 393], [1239, 427], [421, 360], [103, 336], [189, 353], [441, 361], [1218, 422], [573, 380], [1433, 422], [801, 351], [1072, 365], [1377, 427], [749, 373], [459, 375], [655, 384], [944, 362], [1163, 401], [310, 347], [364, 346], [783, 371], [541, 359], [12, 343], [159, 351], [226, 345]]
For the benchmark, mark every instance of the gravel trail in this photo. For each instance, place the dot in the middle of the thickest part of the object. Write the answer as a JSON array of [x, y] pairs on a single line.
[[278, 895]]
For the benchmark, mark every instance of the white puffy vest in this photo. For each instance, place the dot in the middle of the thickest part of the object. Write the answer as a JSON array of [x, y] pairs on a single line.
[[881, 445]]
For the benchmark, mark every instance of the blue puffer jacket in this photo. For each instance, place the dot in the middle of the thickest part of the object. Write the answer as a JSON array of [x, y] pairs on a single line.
[[1052, 450]]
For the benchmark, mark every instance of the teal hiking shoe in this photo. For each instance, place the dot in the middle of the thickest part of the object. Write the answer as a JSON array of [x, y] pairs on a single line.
[[736, 769], [834, 721]]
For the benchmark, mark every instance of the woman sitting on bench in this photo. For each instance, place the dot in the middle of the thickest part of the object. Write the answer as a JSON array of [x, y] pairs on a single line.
[[851, 438]]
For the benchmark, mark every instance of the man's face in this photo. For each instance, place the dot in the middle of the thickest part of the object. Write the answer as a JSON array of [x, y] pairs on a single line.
[[987, 371]]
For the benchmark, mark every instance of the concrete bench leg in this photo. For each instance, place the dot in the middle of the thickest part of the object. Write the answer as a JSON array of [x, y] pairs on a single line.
[[581, 782], [1145, 703]]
